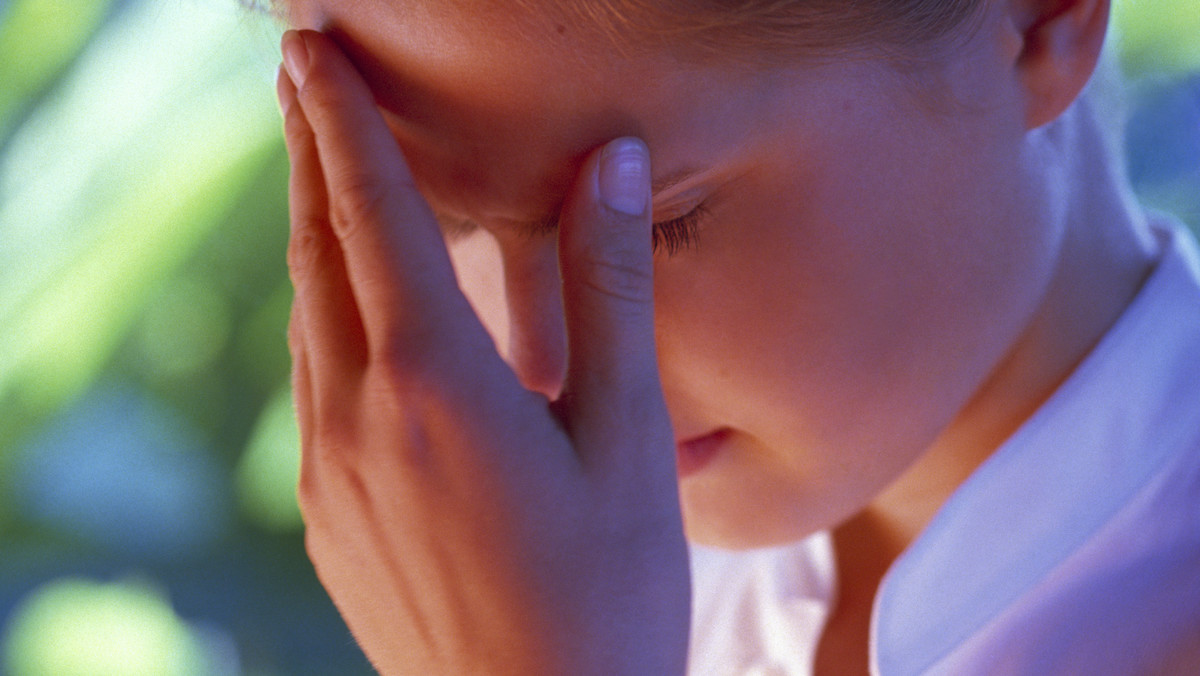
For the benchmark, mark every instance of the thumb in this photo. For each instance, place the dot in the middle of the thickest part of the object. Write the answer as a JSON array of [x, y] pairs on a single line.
[[613, 398]]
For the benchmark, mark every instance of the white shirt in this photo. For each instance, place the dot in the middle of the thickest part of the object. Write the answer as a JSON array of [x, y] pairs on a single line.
[[1074, 549]]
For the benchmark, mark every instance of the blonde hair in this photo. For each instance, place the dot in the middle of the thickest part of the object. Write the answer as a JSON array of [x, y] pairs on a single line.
[[774, 30], [754, 30]]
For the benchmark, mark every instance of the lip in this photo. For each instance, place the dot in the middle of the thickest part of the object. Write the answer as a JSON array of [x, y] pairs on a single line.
[[695, 453]]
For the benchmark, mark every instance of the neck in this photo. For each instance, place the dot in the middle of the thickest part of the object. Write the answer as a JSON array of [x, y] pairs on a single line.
[[1105, 253]]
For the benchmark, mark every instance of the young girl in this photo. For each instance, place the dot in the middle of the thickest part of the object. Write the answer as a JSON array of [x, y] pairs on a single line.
[[852, 294]]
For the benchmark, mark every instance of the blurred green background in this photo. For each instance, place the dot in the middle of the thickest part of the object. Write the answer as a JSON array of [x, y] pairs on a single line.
[[147, 447]]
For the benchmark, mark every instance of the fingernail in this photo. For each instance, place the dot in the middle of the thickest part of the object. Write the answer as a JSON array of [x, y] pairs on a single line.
[[295, 56], [625, 176]]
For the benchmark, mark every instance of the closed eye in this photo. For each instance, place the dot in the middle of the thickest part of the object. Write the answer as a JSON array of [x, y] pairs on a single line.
[[671, 236], [679, 233]]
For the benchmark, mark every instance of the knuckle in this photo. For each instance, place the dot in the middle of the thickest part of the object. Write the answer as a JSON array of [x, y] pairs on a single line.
[[359, 201], [295, 334], [319, 93], [617, 264], [408, 357], [295, 127], [332, 453], [419, 371], [618, 276], [307, 248]]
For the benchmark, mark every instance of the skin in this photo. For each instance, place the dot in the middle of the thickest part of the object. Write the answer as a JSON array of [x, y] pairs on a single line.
[[892, 271]]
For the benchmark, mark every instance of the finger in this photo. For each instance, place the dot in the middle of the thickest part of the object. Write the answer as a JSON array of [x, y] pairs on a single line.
[[326, 310], [417, 322], [615, 398], [302, 399], [395, 256], [301, 374]]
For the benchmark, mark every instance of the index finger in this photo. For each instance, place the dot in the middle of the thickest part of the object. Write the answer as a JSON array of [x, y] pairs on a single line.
[[395, 255]]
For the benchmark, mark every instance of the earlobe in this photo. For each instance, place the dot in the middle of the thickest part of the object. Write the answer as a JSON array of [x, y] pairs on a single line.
[[1061, 44]]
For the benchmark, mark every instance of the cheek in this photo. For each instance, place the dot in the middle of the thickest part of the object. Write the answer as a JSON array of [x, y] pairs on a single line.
[[802, 313], [765, 287], [732, 317]]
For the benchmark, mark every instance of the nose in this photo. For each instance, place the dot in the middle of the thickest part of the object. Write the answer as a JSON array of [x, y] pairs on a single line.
[[537, 341], [513, 286]]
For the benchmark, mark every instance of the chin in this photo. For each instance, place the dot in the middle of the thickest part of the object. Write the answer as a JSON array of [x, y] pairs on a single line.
[[718, 514]]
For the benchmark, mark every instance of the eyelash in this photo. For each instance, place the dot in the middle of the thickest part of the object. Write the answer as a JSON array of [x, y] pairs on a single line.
[[678, 233]]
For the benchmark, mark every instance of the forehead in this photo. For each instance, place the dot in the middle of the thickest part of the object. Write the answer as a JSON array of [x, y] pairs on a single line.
[[496, 109]]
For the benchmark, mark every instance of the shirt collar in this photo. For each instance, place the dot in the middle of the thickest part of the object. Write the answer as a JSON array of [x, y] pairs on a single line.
[[1057, 480]]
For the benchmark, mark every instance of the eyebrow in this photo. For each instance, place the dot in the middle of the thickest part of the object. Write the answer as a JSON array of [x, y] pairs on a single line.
[[457, 227]]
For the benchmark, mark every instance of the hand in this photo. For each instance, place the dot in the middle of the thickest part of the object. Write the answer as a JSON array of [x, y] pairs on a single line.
[[461, 523]]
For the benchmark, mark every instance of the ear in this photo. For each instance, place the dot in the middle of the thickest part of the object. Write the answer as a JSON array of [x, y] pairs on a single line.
[[1060, 45]]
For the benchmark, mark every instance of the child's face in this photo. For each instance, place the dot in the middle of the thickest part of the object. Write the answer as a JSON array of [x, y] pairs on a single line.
[[858, 267]]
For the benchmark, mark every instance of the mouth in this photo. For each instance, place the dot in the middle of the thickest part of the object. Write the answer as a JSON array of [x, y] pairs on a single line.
[[694, 454]]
